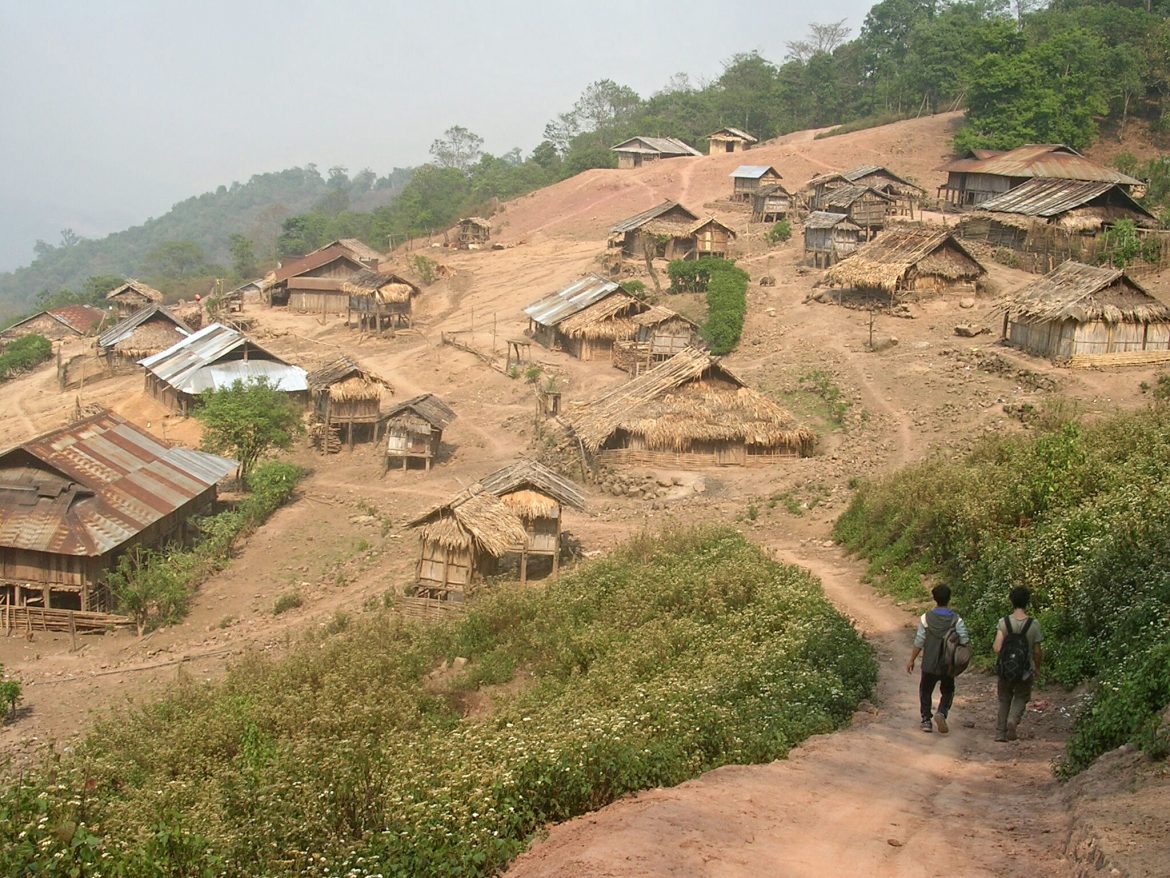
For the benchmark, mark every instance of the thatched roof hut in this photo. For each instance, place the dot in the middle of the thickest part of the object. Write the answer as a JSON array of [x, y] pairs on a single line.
[[663, 231], [146, 332], [908, 259], [690, 410], [584, 318], [637, 151], [1088, 313], [133, 295], [65, 321], [771, 203], [381, 299], [472, 231], [347, 396]]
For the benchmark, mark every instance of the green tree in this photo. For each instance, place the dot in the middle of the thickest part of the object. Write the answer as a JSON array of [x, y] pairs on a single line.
[[458, 148], [9, 694], [176, 260], [247, 420], [243, 255]]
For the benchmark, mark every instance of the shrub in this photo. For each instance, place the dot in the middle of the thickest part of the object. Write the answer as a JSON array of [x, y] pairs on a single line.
[[1120, 244], [726, 288], [290, 600], [24, 354], [677, 654], [9, 694], [532, 374], [425, 267], [779, 233], [635, 288]]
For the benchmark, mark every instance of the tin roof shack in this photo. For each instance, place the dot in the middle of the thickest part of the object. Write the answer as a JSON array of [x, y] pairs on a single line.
[[660, 334], [865, 206], [1048, 221], [881, 178], [711, 238], [637, 151], [472, 233], [747, 180], [68, 321], [729, 139], [983, 174], [689, 411], [513, 511], [133, 296], [216, 356], [1088, 315], [381, 300], [414, 430], [829, 238], [73, 500], [662, 232], [314, 283], [345, 396], [584, 319], [144, 333], [771, 203], [907, 260]]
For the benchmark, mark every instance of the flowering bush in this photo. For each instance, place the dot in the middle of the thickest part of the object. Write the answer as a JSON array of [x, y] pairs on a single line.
[[348, 758]]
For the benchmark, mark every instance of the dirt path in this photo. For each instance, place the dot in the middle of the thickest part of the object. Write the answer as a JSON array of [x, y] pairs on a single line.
[[880, 796]]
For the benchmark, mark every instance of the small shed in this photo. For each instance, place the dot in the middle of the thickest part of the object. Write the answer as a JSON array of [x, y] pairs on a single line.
[[514, 511], [909, 259], [381, 300], [584, 319], [829, 237], [313, 283], [1088, 314], [865, 206], [729, 139], [881, 178], [747, 180], [472, 232], [414, 429], [663, 232], [661, 333], [67, 321], [771, 203], [214, 357], [712, 238], [637, 151], [144, 333], [689, 411], [133, 296], [346, 398]]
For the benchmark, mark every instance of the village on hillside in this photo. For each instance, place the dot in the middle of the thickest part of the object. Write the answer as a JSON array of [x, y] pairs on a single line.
[[526, 389]]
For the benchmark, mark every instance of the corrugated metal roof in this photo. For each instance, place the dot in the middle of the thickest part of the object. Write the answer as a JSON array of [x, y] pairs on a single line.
[[860, 173], [733, 131], [823, 219], [1048, 198], [82, 319], [577, 296], [87, 488], [752, 172], [844, 196], [640, 219], [656, 146], [318, 259], [125, 328], [197, 362], [1055, 161]]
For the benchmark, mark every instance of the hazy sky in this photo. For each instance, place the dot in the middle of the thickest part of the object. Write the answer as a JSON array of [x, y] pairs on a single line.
[[113, 110]]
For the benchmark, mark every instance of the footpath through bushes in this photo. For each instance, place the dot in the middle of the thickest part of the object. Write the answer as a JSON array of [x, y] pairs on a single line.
[[352, 757], [726, 288], [1080, 514]]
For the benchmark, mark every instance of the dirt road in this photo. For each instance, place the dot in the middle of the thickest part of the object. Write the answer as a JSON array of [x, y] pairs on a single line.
[[880, 798]]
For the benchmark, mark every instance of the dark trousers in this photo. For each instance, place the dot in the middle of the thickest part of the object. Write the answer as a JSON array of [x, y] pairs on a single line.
[[926, 693], [1013, 699]]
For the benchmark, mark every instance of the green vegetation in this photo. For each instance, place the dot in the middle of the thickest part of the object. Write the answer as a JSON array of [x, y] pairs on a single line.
[[290, 600], [726, 288], [677, 654], [247, 420], [823, 386], [780, 232], [1080, 515], [154, 586], [9, 695], [23, 354]]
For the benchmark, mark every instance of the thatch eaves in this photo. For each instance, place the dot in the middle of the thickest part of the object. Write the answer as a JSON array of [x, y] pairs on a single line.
[[607, 318], [479, 521], [1085, 293], [862, 173], [887, 261], [710, 221], [823, 219], [384, 286], [656, 314], [345, 371], [845, 196], [526, 474]]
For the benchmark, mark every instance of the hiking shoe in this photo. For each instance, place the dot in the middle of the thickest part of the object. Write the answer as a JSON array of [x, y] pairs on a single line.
[[926, 726], [940, 721], [1011, 732], [1000, 738]]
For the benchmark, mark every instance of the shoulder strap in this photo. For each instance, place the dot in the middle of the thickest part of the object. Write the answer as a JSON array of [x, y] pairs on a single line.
[[1007, 625], [1027, 625]]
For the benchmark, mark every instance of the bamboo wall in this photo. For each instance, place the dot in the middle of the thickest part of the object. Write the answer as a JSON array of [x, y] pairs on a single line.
[[1063, 340], [318, 301]]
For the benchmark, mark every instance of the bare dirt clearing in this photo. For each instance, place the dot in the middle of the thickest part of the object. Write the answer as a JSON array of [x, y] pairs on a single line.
[[871, 795]]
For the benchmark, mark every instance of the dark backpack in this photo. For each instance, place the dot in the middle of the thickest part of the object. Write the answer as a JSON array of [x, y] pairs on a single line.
[[1014, 662], [956, 655]]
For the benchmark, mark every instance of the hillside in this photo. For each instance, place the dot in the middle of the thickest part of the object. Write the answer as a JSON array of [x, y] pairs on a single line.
[[872, 795], [255, 209]]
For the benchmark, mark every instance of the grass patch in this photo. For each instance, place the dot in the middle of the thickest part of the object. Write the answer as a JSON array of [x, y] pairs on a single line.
[[864, 123], [23, 354], [290, 600], [677, 654]]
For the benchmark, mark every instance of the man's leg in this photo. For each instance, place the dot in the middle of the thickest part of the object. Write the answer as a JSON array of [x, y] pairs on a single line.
[[1003, 691], [948, 695], [926, 695], [1021, 693]]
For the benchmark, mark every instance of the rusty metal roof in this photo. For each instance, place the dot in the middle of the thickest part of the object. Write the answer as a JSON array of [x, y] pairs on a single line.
[[1048, 198], [1052, 160], [318, 259], [88, 488], [80, 319], [577, 296], [216, 356]]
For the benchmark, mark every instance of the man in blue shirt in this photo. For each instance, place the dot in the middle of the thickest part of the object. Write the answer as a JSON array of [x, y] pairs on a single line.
[[933, 628]]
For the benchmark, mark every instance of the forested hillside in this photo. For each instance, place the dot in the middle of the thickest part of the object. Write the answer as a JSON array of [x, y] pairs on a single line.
[[229, 232]]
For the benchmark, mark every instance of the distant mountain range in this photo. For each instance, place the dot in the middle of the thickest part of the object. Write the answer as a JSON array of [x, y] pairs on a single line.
[[203, 225]]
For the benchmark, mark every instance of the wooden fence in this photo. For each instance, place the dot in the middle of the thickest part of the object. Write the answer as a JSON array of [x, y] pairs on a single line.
[[1041, 247]]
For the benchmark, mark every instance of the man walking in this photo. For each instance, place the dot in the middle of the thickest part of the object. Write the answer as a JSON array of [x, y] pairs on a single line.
[[1017, 648], [933, 628]]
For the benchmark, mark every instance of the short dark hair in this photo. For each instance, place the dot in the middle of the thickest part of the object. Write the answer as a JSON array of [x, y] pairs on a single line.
[[941, 594], [1019, 596]]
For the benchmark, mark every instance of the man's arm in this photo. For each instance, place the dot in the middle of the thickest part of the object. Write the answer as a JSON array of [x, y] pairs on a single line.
[[1037, 654], [914, 653], [961, 630], [919, 642], [998, 645]]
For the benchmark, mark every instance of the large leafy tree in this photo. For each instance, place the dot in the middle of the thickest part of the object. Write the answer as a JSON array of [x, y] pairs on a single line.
[[458, 148], [247, 420]]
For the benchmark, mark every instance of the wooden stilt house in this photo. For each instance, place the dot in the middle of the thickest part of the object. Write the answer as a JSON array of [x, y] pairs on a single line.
[[712, 238], [472, 233], [828, 238], [865, 206], [585, 319], [347, 404], [381, 300], [661, 333], [747, 180], [662, 232], [689, 411], [513, 511], [1088, 315], [771, 204], [909, 260], [414, 430]]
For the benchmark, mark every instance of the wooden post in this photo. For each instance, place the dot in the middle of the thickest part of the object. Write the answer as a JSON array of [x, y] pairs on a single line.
[[557, 546], [524, 567], [72, 631]]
